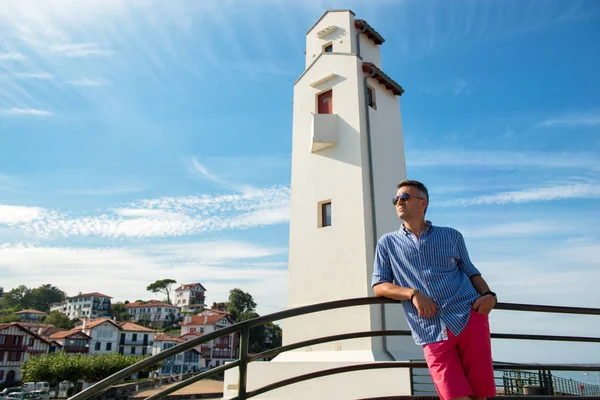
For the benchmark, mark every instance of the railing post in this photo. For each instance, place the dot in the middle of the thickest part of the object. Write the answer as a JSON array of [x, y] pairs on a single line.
[[243, 368]]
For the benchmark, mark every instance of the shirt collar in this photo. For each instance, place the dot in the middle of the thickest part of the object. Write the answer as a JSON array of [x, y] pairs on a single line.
[[407, 232]]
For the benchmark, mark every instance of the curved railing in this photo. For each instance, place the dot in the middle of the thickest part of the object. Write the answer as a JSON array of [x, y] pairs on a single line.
[[245, 358]]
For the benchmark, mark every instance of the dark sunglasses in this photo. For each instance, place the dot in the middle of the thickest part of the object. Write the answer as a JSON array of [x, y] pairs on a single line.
[[404, 197]]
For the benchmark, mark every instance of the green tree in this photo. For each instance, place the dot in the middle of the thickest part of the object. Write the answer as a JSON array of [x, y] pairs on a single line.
[[17, 297], [240, 302], [162, 286], [59, 320], [119, 312], [40, 298]]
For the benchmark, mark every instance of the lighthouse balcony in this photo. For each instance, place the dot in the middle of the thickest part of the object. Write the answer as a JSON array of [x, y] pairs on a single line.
[[324, 131]]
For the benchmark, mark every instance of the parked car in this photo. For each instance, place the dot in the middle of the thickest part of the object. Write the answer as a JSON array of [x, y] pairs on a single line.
[[22, 395], [4, 394]]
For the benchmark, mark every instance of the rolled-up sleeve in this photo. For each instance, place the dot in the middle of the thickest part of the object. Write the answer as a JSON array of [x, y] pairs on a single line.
[[465, 262], [382, 269]]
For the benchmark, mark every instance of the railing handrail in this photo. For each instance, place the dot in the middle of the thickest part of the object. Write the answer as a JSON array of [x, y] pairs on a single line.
[[289, 313]]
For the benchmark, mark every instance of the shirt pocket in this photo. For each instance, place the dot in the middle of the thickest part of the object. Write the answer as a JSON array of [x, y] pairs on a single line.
[[446, 262]]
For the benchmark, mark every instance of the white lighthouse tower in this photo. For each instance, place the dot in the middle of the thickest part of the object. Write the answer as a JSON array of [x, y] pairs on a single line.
[[347, 157]]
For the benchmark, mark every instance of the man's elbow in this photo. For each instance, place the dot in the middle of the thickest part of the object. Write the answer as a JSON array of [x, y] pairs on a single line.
[[379, 290]]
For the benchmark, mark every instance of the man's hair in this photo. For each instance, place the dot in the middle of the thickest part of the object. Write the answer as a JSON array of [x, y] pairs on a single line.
[[419, 186]]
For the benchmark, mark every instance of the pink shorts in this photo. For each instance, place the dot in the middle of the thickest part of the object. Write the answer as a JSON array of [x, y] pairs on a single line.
[[462, 365]]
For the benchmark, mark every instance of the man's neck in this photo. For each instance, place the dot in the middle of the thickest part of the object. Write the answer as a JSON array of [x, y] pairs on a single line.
[[417, 227]]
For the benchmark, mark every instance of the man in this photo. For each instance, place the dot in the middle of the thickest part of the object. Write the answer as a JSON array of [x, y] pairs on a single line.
[[445, 299]]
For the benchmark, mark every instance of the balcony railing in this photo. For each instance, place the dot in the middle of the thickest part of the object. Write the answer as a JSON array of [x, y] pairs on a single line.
[[12, 346], [76, 349], [324, 131], [244, 358]]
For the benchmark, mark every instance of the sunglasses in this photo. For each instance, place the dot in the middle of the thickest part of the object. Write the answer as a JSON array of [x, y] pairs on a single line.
[[404, 197]]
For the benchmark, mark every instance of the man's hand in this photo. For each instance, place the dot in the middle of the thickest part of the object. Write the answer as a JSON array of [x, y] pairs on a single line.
[[484, 304], [425, 306]]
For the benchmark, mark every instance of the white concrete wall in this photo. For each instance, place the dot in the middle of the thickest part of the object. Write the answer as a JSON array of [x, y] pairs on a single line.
[[369, 51], [97, 338], [341, 38]]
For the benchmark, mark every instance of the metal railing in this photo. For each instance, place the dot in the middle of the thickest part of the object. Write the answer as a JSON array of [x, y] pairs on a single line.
[[244, 359]]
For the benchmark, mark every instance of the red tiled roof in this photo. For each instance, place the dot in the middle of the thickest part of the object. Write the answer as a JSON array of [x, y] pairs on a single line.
[[368, 30], [50, 330], [130, 326], [382, 78], [30, 311], [150, 303], [167, 338], [95, 294], [192, 334], [205, 319], [66, 334], [189, 285], [96, 322]]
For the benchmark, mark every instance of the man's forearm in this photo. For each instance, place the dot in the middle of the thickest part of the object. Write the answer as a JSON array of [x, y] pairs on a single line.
[[479, 284], [392, 291]]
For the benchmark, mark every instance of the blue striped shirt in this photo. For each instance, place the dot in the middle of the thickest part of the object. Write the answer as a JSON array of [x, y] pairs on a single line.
[[437, 265]]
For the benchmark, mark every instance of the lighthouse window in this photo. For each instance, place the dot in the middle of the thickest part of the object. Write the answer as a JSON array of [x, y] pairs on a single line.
[[371, 97], [325, 214], [328, 48]]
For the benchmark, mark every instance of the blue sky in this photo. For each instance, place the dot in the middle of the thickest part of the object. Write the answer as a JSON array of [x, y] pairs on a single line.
[[143, 141]]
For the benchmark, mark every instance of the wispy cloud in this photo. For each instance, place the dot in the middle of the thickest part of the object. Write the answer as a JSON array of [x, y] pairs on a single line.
[[30, 75], [501, 159], [169, 216], [11, 56], [81, 50], [88, 82], [587, 118], [199, 170], [461, 86], [25, 112], [558, 192]]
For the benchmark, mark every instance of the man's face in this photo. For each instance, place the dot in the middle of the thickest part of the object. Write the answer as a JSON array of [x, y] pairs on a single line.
[[413, 207]]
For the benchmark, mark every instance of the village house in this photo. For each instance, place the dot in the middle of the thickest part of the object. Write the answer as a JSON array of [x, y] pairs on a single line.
[[30, 315], [190, 297], [60, 307], [72, 341], [218, 351], [135, 339], [17, 344], [104, 334], [182, 363], [88, 305], [155, 312]]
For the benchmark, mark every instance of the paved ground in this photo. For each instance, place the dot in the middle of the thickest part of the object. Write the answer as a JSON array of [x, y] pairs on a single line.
[[200, 387]]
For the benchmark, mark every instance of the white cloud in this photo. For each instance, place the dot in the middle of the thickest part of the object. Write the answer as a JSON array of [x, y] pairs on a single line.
[[122, 188], [199, 170], [26, 111], [124, 273], [501, 159], [88, 82], [559, 192], [32, 75], [80, 50], [11, 56], [172, 216], [13, 215], [587, 118]]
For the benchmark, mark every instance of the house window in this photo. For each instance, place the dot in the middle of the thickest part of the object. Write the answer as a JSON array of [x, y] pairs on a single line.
[[202, 330], [1, 374], [325, 214], [31, 341], [371, 97], [108, 346], [192, 329], [132, 350], [328, 48], [14, 356], [144, 351], [97, 346], [134, 337], [121, 350]]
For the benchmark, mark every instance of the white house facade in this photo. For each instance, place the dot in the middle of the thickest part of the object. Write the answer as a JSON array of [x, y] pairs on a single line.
[[190, 297], [104, 334], [86, 305], [218, 351], [153, 311], [135, 339], [188, 361]]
